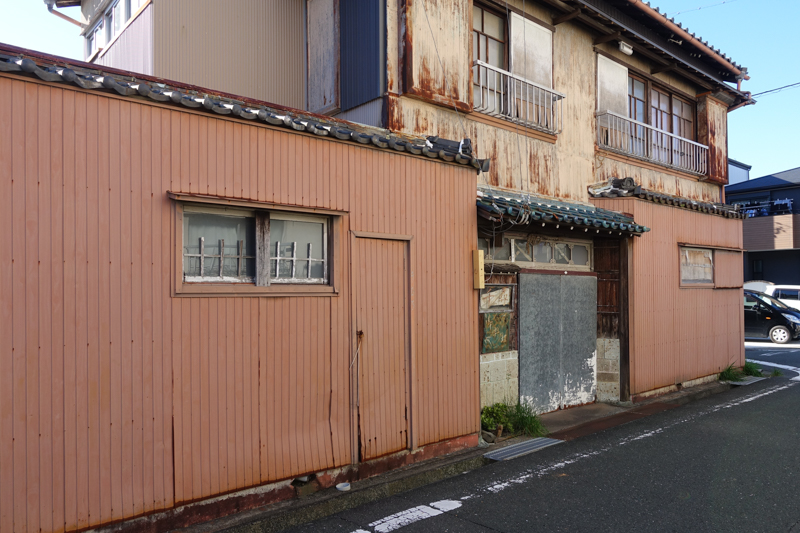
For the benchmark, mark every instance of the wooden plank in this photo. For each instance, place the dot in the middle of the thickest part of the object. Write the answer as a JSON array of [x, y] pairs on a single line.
[[32, 373], [6, 309], [194, 361], [43, 307], [148, 384], [204, 386], [213, 397], [184, 386], [246, 392]]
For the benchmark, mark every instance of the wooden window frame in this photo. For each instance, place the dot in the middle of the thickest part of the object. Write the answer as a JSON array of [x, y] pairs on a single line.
[[496, 12], [706, 285], [259, 287], [649, 87], [552, 265]]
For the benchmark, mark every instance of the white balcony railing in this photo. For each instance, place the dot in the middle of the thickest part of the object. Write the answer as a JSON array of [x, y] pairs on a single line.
[[623, 135], [504, 95]]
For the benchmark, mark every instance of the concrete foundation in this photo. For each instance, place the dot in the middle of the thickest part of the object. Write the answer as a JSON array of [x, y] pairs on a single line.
[[607, 370], [499, 377]]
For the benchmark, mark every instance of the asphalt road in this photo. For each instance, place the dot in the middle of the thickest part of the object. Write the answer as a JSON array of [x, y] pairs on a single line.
[[775, 356], [730, 462]]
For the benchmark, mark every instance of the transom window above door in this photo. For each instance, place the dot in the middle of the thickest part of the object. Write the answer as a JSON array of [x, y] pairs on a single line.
[[533, 251]]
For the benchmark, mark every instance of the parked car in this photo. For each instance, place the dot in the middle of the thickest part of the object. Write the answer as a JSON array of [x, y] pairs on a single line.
[[788, 294], [766, 316]]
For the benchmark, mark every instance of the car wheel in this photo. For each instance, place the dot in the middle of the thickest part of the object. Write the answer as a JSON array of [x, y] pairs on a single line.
[[780, 335]]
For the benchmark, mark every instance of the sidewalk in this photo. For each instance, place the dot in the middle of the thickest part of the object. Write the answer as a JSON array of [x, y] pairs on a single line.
[[567, 424]]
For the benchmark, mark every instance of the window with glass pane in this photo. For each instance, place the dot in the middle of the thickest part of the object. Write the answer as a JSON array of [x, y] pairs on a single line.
[[489, 46], [119, 16], [297, 249], [219, 247], [697, 266]]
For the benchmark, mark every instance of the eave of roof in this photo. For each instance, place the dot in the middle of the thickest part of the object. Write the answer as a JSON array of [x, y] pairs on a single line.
[[779, 180], [87, 76], [626, 188], [522, 210]]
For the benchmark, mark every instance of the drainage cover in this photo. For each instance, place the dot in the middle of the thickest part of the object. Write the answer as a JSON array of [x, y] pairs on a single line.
[[749, 380], [523, 448]]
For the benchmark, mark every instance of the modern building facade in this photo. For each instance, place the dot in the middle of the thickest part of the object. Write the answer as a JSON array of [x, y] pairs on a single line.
[[772, 227]]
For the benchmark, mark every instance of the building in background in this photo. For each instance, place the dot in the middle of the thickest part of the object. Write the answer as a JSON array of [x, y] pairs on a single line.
[[737, 172], [772, 227]]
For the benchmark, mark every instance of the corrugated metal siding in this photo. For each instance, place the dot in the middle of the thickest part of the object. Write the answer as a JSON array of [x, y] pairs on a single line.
[[133, 50], [105, 379], [370, 113], [259, 47], [363, 51], [680, 334]]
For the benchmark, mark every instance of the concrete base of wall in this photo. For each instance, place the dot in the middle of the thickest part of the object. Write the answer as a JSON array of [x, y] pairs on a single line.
[[189, 514], [499, 377], [608, 370], [672, 388]]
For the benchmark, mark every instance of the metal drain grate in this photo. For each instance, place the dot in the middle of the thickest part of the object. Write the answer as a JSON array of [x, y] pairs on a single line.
[[523, 448], [749, 380]]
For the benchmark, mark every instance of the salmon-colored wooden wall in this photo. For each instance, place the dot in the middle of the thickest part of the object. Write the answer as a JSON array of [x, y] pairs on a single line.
[[679, 334], [100, 366]]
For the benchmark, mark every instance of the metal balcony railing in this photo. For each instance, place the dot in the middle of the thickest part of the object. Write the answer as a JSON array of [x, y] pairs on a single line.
[[623, 135], [504, 95]]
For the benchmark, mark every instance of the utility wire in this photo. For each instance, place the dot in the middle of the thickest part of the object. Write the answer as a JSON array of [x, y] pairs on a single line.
[[777, 90], [701, 7], [444, 74]]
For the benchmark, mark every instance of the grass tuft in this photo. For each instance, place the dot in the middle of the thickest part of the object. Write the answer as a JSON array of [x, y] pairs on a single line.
[[731, 374], [515, 418], [776, 373], [751, 369]]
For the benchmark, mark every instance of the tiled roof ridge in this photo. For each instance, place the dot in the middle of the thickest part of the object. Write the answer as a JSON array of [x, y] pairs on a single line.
[[296, 120], [522, 209], [627, 187]]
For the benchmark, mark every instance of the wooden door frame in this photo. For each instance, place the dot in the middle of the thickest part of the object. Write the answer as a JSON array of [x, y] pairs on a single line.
[[411, 392]]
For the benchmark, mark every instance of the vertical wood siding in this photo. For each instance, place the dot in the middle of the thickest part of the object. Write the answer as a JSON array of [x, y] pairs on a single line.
[[259, 48], [133, 50], [107, 382], [679, 334]]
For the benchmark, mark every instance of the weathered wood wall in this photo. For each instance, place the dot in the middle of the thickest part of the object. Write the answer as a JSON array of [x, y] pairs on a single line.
[[679, 334], [117, 399]]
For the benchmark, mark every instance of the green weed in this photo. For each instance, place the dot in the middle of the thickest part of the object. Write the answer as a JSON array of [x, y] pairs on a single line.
[[731, 374], [751, 369], [515, 418], [776, 373]]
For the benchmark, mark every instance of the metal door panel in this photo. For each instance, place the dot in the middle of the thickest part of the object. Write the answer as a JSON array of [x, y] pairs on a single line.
[[381, 318]]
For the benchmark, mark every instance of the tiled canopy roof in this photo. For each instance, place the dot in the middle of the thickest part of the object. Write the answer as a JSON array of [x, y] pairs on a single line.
[[65, 71], [616, 188], [521, 210]]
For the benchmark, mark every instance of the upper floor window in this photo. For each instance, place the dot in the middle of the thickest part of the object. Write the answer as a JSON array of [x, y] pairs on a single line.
[[111, 23], [513, 69], [668, 112]]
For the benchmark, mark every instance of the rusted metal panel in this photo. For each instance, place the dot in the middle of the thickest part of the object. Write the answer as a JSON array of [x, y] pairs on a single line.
[[245, 59], [712, 130], [436, 44], [133, 49], [679, 334], [654, 179], [173, 399], [323, 55]]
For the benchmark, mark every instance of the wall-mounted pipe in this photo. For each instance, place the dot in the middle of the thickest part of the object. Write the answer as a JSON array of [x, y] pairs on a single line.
[[662, 19], [51, 4]]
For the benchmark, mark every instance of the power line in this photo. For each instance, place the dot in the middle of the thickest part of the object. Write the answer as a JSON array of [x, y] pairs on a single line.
[[778, 89], [701, 7]]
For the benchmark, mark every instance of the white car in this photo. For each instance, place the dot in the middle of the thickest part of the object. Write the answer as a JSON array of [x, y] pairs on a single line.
[[788, 294]]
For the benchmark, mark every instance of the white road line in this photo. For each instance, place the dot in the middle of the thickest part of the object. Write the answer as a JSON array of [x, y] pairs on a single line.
[[409, 516], [423, 512], [776, 365]]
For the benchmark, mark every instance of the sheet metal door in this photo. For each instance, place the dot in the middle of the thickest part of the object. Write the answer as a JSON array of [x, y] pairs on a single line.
[[380, 269], [557, 340]]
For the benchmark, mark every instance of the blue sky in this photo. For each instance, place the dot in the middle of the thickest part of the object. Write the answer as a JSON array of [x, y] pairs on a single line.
[[758, 34]]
